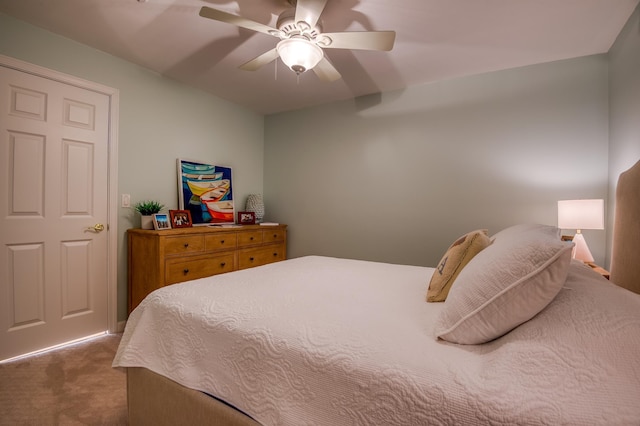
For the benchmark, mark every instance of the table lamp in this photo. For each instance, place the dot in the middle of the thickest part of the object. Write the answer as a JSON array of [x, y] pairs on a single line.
[[578, 215]]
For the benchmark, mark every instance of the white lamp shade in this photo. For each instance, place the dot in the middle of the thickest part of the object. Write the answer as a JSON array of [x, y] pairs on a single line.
[[299, 54], [581, 214]]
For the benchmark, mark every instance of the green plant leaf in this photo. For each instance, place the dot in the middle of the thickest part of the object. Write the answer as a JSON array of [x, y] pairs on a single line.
[[147, 208]]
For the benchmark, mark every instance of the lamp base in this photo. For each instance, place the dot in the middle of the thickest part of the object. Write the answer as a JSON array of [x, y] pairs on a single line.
[[581, 250]]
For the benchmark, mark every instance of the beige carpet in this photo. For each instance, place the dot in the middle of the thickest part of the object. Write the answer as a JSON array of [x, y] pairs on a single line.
[[70, 386]]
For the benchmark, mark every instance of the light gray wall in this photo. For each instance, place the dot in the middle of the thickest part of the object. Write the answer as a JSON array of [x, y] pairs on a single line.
[[160, 121], [624, 99], [397, 177]]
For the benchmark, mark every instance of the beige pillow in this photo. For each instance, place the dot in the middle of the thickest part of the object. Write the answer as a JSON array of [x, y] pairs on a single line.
[[456, 257], [505, 285]]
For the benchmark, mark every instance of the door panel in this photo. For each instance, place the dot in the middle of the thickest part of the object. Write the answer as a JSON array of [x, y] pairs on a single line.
[[77, 177], [26, 170], [53, 190], [26, 286], [76, 277]]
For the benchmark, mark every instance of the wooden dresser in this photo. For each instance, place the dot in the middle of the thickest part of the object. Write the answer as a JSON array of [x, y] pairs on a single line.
[[160, 258]]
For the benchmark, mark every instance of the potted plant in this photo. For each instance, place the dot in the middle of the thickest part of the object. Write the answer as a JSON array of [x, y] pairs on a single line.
[[147, 209]]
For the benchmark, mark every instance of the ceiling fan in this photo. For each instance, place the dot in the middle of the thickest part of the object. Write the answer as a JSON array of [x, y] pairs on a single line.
[[302, 40]]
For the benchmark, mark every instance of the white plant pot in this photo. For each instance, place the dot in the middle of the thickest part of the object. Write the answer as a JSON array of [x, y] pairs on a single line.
[[146, 222]]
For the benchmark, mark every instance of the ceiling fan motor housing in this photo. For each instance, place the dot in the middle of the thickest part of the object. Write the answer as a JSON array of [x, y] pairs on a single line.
[[289, 27]]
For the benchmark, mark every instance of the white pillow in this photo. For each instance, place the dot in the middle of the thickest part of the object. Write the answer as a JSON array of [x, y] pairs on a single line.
[[505, 284], [513, 231]]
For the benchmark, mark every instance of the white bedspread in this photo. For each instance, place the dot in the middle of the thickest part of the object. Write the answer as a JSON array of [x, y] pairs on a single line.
[[325, 341]]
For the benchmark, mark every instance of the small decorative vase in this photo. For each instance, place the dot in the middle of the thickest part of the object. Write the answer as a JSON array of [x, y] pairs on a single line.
[[255, 204], [146, 222]]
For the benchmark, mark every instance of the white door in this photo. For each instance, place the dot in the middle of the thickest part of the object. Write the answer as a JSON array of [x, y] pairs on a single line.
[[53, 192]]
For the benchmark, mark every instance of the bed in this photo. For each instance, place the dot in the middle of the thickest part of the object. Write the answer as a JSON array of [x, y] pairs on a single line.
[[327, 341]]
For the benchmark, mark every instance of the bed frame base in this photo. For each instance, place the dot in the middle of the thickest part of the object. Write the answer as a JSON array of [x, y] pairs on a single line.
[[156, 400]]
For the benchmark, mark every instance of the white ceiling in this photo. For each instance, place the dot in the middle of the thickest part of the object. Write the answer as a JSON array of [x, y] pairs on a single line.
[[436, 39]]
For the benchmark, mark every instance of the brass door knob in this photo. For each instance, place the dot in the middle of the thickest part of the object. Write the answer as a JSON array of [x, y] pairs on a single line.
[[98, 227]]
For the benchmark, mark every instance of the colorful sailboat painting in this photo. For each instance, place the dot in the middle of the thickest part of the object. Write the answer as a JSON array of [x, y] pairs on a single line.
[[219, 210], [209, 188], [206, 190]]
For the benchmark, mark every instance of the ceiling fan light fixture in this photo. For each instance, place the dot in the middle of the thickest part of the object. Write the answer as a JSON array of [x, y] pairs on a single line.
[[299, 54]]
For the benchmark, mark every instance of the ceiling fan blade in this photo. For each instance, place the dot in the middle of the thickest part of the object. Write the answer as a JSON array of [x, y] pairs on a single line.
[[326, 71], [309, 11], [260, 61], [218, 15], [363, 40]]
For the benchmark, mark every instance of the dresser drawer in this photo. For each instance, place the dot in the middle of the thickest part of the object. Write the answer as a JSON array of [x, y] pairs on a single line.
[[249, 258], [184, 244], [273, 235], [249, 238], [220, 242], [179, 270]]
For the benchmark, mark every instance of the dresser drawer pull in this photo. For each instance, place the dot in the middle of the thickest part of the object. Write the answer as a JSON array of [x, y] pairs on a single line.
[[185, 271], [275, 235], [222, 264], [275, 254], [251, 259], [251, 238], [221, 241], [186, 245]]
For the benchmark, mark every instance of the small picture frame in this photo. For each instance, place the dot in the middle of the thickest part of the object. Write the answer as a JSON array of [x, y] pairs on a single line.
[[161, 221], [180, 218], [246, 218]]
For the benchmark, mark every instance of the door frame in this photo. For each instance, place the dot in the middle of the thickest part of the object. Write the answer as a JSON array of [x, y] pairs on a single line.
[[112, 171]]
